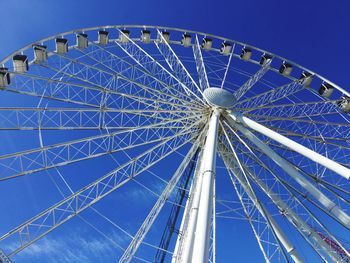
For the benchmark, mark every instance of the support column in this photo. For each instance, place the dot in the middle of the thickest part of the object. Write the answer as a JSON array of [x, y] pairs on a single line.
[[261, 208], [308, 233], [312, 155], [184, 244], [331, 207], [207, 171]]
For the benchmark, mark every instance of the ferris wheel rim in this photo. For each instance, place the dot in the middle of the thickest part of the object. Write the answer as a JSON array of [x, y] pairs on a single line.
[[225, 111], [20, 50]]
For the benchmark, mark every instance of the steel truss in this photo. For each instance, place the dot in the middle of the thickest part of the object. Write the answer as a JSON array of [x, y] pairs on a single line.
[[170, 227], [284, 145]]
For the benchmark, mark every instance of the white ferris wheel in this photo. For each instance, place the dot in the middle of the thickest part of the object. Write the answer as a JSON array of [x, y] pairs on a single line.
[[218, 132]]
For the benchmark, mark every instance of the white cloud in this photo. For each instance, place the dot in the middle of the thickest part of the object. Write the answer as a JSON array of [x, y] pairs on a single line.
[[72, 248]]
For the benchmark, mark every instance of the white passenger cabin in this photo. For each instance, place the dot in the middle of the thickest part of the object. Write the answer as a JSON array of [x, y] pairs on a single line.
[[246, 54], [124, 35], [4, 77], [344, 103], [40, 53], [20, 63], [306, 78], [146, 36], [103, 37], [82, 41], [186, 40], [286, 69], [61, 46], [165, 37], [265, 58], [225, 48], [207, 43], [326, 90]]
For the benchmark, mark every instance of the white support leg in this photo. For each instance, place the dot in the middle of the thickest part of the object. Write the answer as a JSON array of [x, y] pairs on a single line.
[[331, 207], [314, 156], [202, 233], [290, 248], [292, 217], [214, 223], [185, 246], [185, 253], [148, 222], [182, 250]]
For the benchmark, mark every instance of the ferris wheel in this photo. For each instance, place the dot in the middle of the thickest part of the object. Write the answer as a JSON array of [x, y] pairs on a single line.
[[239, 149]]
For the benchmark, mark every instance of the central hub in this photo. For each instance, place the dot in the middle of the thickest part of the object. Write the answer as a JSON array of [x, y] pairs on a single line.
[[219, 97]]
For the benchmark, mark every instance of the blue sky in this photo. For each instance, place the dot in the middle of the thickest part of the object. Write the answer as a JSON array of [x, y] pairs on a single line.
[[314, 34]]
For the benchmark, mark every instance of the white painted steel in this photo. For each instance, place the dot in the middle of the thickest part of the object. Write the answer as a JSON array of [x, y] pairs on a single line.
[[302, 226], [148, 222], [312, 155], [290, 248], [218, 97], [176, 255], [208, 169], [286, 185], [202, 73], [189, 214], [185, 244], [330, 206], [158, 94]]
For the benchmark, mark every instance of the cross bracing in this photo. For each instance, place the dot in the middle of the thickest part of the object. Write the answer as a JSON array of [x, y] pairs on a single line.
[[142, 100]]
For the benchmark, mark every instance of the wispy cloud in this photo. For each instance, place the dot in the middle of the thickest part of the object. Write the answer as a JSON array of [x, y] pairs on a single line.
[[73, 248]]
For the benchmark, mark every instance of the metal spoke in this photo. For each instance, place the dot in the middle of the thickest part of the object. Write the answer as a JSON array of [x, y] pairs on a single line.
[[330, 164], [131, 71], [147, 223], [35, 160], [175, 64], [137, 77], [251, 154], [304, 229], [252, 81], [325, 131], [80, 94], [333, 208], [288, 187], [295, 110], [316, 178], [147, 62], [202, 74], [40, 225], [270, 222], [103, 80], [272, 95], [81, 118], [227, 67]]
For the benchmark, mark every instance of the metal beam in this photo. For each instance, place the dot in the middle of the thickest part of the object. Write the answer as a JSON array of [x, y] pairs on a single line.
[[202, 73], [312, 155], [179, 70], [153, 67], [280, 235], [32, 230], [333, 208], [293, 218], [252, 81], [175, 211], [288, 187], [200, 251], [148, 222], [39, 159], [272, 95]]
